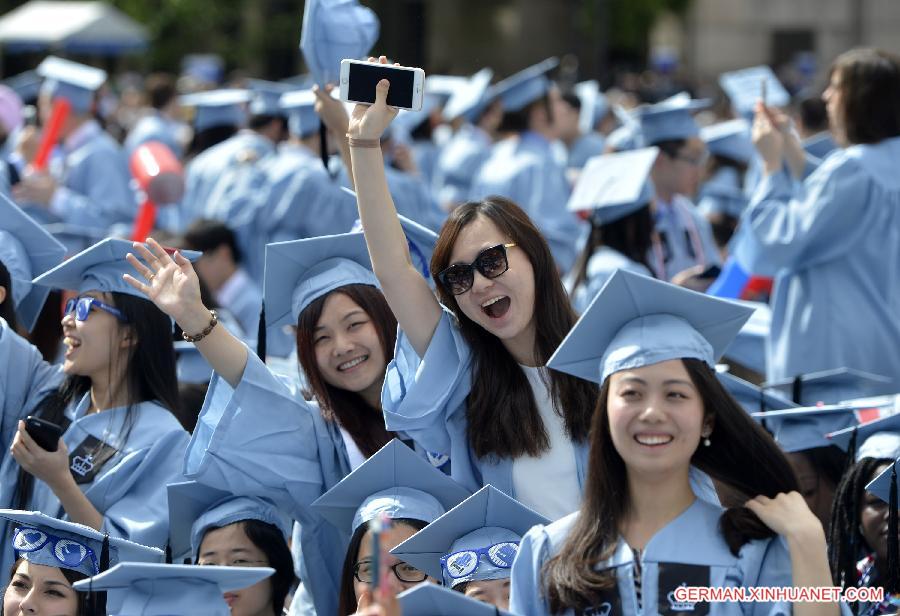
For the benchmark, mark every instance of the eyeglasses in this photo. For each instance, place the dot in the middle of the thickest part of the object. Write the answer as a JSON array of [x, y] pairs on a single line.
[[364, 572], [69, 553], [490, 262], [463, 563], [82, 307]]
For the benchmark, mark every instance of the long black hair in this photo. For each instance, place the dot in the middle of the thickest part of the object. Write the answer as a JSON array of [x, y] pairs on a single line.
[[149, 376], [571, 578]]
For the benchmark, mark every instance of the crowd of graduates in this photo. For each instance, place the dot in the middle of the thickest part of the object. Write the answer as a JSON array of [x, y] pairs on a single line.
[[533, 349]]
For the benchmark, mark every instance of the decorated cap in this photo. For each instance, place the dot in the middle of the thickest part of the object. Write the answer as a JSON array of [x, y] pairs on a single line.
[[525, 87], [333, 30], [300, 106], [395, 482], [803, 428], [433, 600], [745, 87], [832, 386], [195, 508], [470, 97], [669, 120], [636, 321], [141, 589], [75, 82], [615, 185], [43, 540], [26, 250], [99, 268], [729, 139], [225, 107], [487, 519]]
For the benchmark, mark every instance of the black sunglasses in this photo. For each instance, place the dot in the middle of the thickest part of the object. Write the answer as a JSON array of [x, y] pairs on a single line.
[[490, 262]]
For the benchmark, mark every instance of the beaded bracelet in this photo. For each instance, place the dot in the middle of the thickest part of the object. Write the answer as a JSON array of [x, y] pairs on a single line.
[[356, 142], [214, 320]]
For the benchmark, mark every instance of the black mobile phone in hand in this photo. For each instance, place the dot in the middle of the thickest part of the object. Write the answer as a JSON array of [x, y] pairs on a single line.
[[45, 433]]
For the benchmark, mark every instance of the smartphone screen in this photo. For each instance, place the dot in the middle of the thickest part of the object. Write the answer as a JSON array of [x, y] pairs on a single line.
[[364, 77]]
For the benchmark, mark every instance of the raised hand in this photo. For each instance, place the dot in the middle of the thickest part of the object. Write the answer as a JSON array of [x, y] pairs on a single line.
[[170, 282], [370, 121]]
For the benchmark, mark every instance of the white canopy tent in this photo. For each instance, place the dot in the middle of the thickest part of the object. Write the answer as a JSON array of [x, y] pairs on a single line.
[[94, 28]]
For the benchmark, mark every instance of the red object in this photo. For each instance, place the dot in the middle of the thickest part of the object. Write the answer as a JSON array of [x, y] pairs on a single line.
[[61, 109], [160, 176]]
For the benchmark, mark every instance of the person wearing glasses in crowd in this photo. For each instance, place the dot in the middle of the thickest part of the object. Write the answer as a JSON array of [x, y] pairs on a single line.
[[345, 333], [641, 532], [51, 555], [466, 381], [214, 528], [121, 442]]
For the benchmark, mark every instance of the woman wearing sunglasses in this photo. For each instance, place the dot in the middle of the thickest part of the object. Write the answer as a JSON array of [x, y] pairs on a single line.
[[467, 380], [258, 435], [641, 533], [51, 555], [121, 443]]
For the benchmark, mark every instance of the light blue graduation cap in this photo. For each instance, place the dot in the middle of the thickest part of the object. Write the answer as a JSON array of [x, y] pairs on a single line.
[[803, 428], [754, 399], [669, 120], [487, 519], [470, 97], [300, 271], [300, 106], [140, 589], [833, 386], [729, 139], [432, 600], [266, 95], [225, 107], [26, 250], [637, 321], [881, 485], [395, 482], [886, 429], [70, 80], [615, 185], [195, 508], [333, 30], [744, 88], [99, 268], [594, 105], [43, 540], [525, 87]]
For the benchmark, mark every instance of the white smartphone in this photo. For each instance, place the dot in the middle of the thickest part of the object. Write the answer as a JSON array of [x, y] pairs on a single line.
[[358, 81]]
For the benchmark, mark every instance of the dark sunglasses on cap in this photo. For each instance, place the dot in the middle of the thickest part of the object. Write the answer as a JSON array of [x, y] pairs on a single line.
[[83, 305], [490, 263]]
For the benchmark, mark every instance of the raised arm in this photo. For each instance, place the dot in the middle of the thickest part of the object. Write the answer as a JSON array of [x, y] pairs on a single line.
[[171, 283], [407, 293]]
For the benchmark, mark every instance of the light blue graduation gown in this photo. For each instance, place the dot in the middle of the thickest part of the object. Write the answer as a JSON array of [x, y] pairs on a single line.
[[586, 146], [226, 171], [263, 439], [601, 265], [155, 127], [836, 253], [129, 487], [689, 549], [97, 181], [25, 380], [458, 163], [688, 238], [524, 170], [723, 194], [425, 399]]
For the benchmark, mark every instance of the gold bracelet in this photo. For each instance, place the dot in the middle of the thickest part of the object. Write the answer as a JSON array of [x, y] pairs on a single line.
[[356, 142], [214, 320]]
